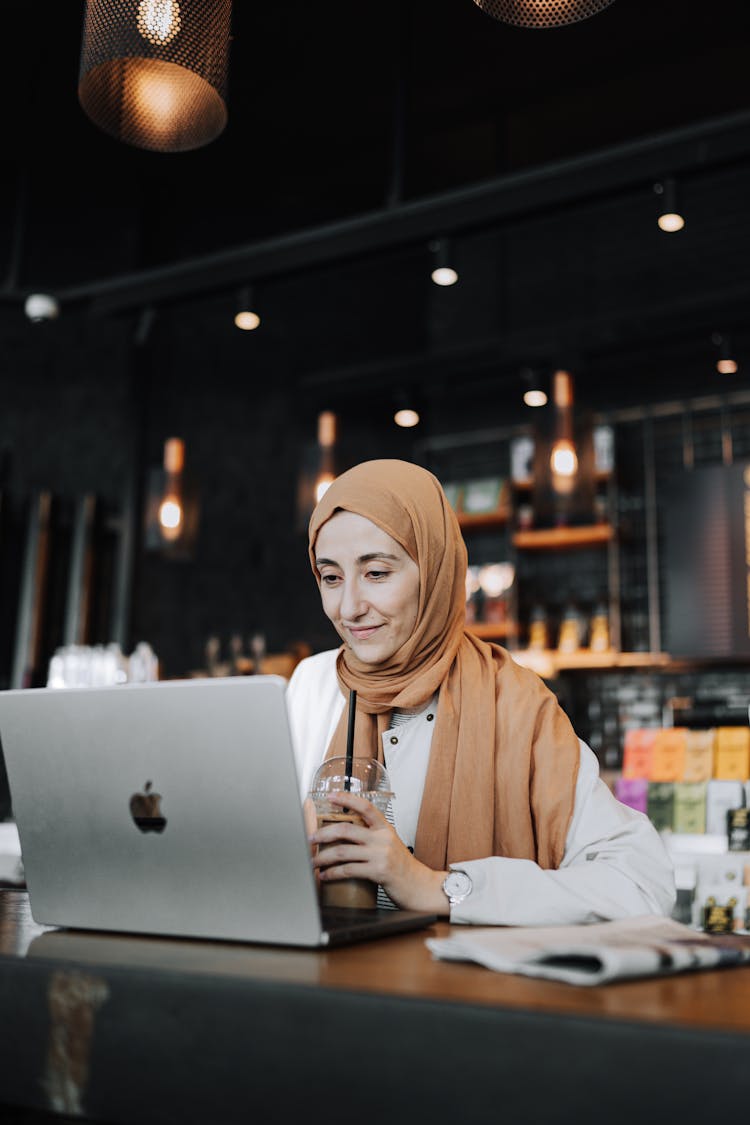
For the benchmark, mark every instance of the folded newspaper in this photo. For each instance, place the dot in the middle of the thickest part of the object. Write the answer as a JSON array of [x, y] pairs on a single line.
[[646, 946]]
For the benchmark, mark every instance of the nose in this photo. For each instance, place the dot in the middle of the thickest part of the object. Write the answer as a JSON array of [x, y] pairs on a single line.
[[352, 604]]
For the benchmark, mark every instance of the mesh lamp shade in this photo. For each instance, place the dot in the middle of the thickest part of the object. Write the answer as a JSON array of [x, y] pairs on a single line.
[[541, 13], [154, 72]]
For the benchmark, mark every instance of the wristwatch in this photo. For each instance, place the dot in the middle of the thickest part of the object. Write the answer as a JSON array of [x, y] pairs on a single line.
[[457, 886]]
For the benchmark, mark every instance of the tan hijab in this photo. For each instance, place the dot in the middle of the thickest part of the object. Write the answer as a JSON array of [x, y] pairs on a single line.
[[504, 756]]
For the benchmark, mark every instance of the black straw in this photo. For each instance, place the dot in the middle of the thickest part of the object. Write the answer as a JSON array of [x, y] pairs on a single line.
[[350, 739]]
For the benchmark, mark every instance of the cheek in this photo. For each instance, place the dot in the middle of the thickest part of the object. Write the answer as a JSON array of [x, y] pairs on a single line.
[[329, 601]]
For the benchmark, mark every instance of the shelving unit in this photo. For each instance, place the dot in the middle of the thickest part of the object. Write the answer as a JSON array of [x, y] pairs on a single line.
[[558, 538]]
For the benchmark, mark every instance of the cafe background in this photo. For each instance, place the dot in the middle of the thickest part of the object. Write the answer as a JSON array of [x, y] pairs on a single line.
[[357, 152]]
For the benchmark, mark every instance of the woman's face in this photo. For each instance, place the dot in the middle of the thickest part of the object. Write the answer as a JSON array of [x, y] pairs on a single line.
[[369, 586]]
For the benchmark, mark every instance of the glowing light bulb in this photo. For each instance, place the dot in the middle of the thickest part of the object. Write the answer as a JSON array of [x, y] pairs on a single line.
[[323, 483], [444, 275], [247, 320], [727, 366], [563, 460], [406, 418], [670, 221], [170, 517], [159, 20], [535, 398]]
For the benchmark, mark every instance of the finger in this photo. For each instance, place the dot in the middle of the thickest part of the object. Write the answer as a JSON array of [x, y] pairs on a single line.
[[360, 805], [340, 830]]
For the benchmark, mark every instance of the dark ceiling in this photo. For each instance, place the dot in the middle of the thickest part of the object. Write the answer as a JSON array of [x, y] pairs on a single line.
[[355, 134]]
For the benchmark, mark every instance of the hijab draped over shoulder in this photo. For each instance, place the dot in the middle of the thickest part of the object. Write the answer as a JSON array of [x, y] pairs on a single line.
[[504, 756]]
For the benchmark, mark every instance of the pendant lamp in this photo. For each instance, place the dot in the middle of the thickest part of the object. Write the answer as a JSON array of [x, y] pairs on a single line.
[[541, 13], [154, 72]]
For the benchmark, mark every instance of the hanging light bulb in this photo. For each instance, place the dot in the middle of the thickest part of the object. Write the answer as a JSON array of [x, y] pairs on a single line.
[[406, 418], [405, 414], [541, 13], [159, 20], [246, 317], [563, 456], [726, 364], [326, 442], [670, 218], [443, 271], [533, 395], [170, 512], [154, 73]]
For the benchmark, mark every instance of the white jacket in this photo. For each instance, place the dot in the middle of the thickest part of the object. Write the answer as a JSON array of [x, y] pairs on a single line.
[[615, 864]]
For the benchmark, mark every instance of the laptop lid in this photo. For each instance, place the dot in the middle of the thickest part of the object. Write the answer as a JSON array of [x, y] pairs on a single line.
[[168, 808]]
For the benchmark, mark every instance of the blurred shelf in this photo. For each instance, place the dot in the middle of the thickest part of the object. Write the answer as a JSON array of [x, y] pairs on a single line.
[[548, 662], [551, 538], [493, 630], [472, 520]]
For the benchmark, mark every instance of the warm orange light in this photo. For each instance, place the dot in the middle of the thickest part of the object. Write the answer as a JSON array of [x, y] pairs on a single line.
[[670, 221], [535, 398], [727, 366], [247, 320], [170, 516], [326, 429], [406, 418], [563, 459]]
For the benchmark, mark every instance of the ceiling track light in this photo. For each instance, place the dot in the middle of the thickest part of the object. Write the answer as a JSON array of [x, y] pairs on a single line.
[[533, 394], [154, 73], [669, 218], [246, 317], [40, 307], [726, 364], [542, 13], [443, 266]]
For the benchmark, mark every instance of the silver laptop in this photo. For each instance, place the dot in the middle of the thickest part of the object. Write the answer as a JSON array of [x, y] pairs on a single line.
[[170, 808]]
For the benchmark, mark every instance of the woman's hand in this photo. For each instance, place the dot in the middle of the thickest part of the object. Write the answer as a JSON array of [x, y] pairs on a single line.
[[374, 851]]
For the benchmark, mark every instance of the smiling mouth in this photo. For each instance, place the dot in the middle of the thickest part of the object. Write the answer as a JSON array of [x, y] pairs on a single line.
[[362, 632]]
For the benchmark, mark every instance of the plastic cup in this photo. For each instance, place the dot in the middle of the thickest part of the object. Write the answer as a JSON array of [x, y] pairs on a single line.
[[367, 778]]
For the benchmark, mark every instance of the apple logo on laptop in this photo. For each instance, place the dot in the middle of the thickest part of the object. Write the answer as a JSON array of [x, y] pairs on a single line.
[[145, 809]]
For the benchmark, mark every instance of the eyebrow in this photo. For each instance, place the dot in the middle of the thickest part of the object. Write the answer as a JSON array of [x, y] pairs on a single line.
[[362, 559]]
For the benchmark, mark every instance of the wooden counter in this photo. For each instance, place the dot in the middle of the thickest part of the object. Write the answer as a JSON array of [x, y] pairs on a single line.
[[152, 1030]]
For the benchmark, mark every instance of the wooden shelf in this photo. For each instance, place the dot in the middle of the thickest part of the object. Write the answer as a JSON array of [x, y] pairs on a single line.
[[493, 630], [472, 520], [556, 538], [548, 662]]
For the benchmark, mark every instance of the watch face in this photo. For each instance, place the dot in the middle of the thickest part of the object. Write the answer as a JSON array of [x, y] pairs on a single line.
[[457, 885]]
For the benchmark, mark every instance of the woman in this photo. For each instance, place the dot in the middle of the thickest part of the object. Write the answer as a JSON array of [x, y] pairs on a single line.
[[500, 816]]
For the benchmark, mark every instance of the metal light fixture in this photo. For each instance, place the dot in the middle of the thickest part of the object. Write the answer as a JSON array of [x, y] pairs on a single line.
[[246, 316], [172, 507], [443, 268], [670, 218], [405, 414], [154, 72], [533, 394], [541, 13], [726, 364]]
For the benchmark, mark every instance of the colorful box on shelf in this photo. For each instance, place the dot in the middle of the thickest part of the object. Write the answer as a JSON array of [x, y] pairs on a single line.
[[699, 755], [637, 753], [732, 760], [668, 755]]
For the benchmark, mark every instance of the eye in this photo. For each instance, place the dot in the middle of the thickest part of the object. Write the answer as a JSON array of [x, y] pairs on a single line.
[[330, 579], [377, 575]]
